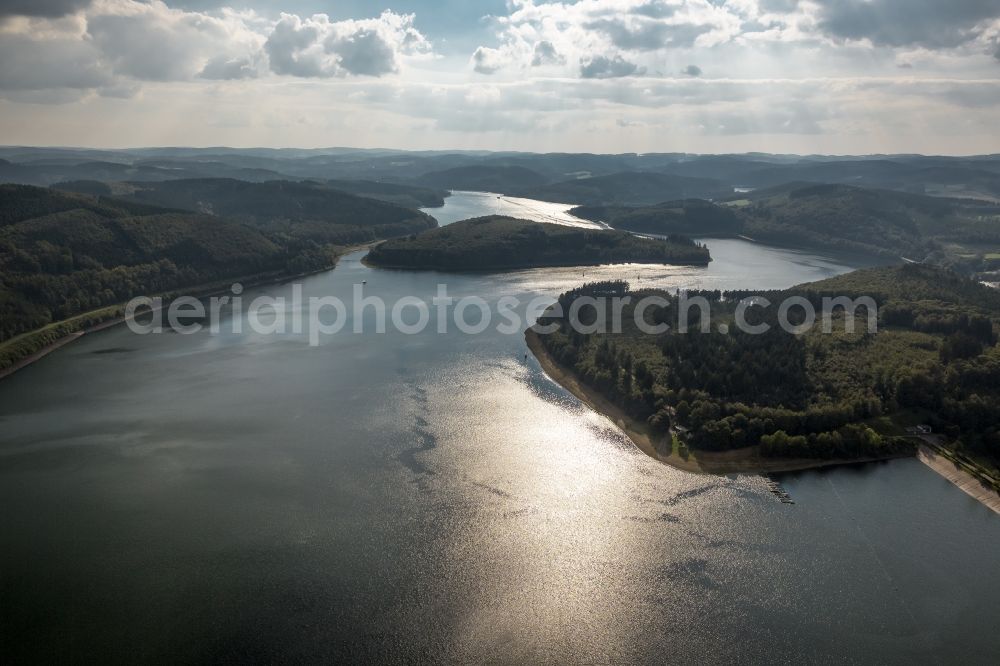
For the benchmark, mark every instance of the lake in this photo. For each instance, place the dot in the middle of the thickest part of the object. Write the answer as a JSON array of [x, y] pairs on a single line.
[[436, 498], [465, 205]]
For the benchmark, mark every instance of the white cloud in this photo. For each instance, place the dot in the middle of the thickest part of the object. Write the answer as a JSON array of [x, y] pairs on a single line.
[[152, 42], [608, 36], [602, 67], [39, 64], [930, 23], [587, 75], [545, 53], [487, 61], [655, 34], [321, 48], [222, 68], [112, 44]]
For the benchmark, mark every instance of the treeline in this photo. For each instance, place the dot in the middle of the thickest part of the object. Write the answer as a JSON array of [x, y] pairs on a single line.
[[64, 254], [723, 391], [497, 243], [814, 395], [851, 441], [277, 200], [837, 217], [689, 216]]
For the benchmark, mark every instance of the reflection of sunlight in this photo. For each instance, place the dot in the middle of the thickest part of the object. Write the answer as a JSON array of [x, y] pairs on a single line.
[[556, 476], [544, 211], [465, 205]]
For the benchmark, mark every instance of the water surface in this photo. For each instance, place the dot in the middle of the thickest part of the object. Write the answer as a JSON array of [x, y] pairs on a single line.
[[426, 498], [464, 205]]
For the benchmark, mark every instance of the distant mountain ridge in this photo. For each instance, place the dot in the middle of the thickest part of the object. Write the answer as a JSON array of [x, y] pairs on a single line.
[[970, 177]]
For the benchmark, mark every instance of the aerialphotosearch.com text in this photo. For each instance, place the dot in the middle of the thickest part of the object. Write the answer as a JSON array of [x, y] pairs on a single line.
[[319, 316]]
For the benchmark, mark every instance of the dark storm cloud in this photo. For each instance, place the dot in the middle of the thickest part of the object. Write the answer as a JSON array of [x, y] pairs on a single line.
[[47, 8], [692, 70], [602, 67], [932, 24]]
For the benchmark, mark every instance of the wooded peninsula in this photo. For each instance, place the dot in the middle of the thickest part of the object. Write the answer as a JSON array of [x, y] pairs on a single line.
[[504, 243], [815, 396]]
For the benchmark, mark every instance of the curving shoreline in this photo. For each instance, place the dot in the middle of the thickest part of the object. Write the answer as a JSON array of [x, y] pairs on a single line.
[[738, 461], [200, 291]]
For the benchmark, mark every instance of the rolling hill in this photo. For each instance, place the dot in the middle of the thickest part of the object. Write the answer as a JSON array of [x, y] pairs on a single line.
[[62, 254], [955, 232], [308, 210], [881, 222], [408, 196], [482, 178], [690, 217], [636, 188]]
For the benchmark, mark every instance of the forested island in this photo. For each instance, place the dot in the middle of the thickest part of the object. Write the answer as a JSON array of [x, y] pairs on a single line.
[[734, 401], [501, 243], [68, 261]]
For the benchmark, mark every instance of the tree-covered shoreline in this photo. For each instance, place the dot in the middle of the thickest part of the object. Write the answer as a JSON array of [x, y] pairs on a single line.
[[68, 261], [955, 233], [504, 243], [844, 395]]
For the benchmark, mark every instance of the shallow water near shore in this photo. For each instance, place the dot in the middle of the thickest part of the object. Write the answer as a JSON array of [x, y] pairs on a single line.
[[436, 497]]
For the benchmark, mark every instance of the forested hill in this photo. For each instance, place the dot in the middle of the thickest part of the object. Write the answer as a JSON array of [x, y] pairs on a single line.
[[959, 233], [497, 243], [408, 196], [852, 218], [637, 188], [840, 394], [22, 202], [690, 216], [63, 254], [483, 178], [911, 283], [272, 200]]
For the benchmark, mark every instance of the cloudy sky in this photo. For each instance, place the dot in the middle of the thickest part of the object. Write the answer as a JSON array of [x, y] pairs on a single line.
[[803, 76]]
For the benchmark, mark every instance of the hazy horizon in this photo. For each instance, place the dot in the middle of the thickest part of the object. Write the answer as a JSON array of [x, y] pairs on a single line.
[[594, 76], [390, 149]]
